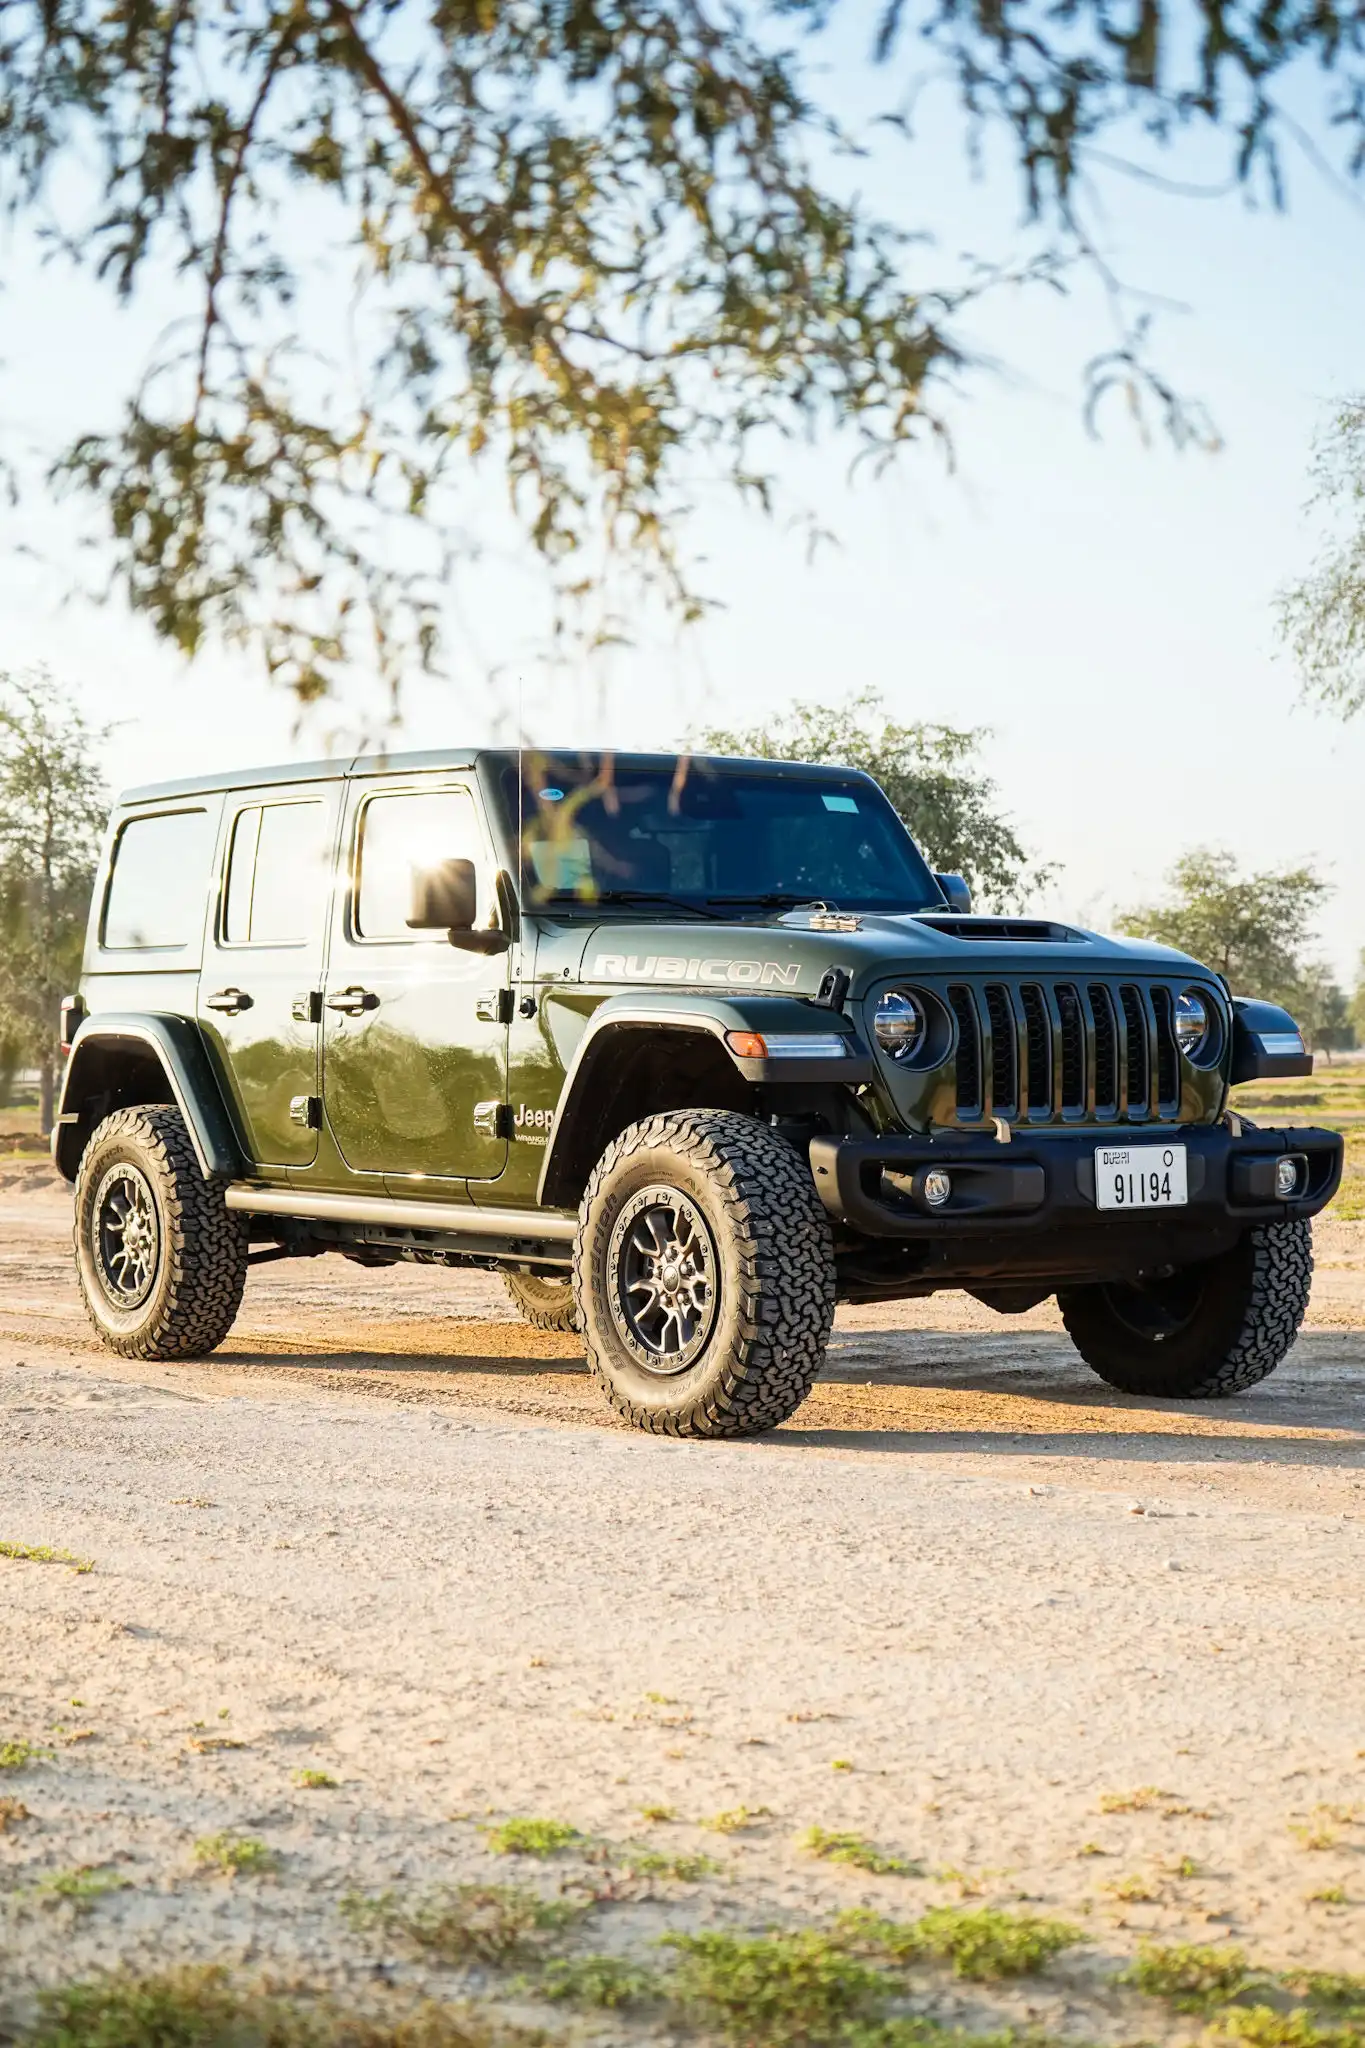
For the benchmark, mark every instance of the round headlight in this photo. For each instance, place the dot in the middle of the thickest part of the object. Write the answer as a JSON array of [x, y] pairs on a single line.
[[899, 1023], [1191, 1022]]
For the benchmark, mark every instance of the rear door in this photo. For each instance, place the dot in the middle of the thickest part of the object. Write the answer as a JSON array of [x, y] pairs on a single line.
[[415, 1031], [260, 992]]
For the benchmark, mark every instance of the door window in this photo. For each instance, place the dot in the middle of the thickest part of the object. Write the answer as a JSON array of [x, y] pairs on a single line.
[[159, 879], [277, 878], [401, 834]]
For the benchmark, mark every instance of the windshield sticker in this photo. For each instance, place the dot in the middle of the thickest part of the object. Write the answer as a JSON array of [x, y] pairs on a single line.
[[663, 967], [839, 803]]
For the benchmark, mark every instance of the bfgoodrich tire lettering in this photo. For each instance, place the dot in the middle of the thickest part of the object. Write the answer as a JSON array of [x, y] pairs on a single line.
[[182, 1301], [547, 1304], [773, 1272], [1216, 1330]]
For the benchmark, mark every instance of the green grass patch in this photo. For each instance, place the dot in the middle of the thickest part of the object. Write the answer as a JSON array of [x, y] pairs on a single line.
[[980, 1943], [737, 1820], [775, 1989], [608, 1982], [1263, 2026], [203, 2008], [43, 1553], [525, 1836], [79, 1888], [1190, 1978], [638, 1861], [17, 1756], [235, 1855], [314, 1781], [462, 1923], [858, 1853], [1335, 1988]]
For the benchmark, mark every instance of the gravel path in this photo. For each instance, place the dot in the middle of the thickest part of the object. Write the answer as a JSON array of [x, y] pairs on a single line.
[[962, 1605]]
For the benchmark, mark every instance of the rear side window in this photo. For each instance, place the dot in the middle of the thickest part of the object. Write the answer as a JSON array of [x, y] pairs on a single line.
[[278, 875], [158, 881]]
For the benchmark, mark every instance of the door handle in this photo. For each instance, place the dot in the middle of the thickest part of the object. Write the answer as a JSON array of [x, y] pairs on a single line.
[[351, 1001], [228, 1000]]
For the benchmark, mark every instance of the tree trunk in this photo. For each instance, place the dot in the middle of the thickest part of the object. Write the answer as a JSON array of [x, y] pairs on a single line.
[[47, 1088]]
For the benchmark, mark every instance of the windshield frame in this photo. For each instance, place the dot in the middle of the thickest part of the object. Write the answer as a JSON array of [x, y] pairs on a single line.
[[501, 778]]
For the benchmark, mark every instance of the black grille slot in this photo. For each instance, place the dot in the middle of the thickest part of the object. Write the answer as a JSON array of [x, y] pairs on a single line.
[[1073, 1046], [1135, 1018], [1004, 1050], [1039, 1048], [1106, 1048], [1167, 1065], [968, 1050]]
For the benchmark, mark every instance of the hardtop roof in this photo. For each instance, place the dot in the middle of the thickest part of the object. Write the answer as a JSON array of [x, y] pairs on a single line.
[[342, 767]]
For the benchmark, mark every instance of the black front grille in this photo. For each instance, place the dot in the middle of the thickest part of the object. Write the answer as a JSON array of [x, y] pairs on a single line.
[[1038, 1027], [1106, 1050], [1045, 1051], [968, 1050], [1167, 1061], [1004, 1050], [1073, 1047], [1135, 1041]]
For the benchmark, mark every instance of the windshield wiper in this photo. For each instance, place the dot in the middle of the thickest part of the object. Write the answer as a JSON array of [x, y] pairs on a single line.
[[774, 899], [634, 896]]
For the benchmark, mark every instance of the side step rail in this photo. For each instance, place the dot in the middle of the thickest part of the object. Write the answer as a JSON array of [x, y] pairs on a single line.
[[521, 1230]]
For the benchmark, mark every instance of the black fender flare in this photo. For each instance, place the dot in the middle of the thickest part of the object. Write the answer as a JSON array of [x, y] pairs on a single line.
[[710, 1016], [105, 1040]]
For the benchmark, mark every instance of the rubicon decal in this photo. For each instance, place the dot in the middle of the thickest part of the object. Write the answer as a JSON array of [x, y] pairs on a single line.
[[672, 968]]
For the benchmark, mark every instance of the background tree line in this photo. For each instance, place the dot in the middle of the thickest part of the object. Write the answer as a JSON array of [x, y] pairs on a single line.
[[1257, 930]]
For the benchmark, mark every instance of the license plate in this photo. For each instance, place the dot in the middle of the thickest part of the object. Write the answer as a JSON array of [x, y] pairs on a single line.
[[1140, 1177]]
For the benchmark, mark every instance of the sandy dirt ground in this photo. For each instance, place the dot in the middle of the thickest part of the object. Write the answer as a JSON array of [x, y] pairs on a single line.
[[968, 1603]]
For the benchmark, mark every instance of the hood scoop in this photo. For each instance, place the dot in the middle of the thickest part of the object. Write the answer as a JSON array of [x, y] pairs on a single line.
[[1024, 931]]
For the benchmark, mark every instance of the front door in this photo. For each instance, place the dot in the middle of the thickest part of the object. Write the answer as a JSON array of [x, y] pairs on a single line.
[[260, 989], [414, 1030]]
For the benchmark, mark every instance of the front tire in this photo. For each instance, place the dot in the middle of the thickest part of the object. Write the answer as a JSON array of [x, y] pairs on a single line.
[[704, 1274], [160, 1258], [1207, 1332]]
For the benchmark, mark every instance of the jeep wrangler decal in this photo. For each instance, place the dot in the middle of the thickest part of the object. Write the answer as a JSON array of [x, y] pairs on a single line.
[[670, 967]]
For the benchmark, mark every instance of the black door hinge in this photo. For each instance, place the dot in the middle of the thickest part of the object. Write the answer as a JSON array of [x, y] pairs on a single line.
[[494, 1006]]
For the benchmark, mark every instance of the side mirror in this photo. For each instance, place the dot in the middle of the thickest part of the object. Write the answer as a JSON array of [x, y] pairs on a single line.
[[444, 897], [1267, 1044], [956, 894]]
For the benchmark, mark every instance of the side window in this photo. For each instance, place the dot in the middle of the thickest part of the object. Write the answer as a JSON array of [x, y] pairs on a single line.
[[158, 882], [277, 875], [401, 834]]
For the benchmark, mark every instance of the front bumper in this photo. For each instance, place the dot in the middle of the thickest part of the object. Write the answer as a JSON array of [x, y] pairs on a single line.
[[1041, 1183]]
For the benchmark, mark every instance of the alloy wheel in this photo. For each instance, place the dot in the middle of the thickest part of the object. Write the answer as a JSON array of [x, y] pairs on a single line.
[[664, 1279], [125, 1233]]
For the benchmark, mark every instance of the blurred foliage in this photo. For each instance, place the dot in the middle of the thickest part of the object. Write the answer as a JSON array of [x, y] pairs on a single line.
[[930, 774], [1254, 930], [609, 248], [1322, 617], [53, 804]]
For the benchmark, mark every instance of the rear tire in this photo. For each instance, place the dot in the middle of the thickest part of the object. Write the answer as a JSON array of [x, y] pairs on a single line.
[[548, 1304], [704, 1274], [1208, 1332], [160, 1259]]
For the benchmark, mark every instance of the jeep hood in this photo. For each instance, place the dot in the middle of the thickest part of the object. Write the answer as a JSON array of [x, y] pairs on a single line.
[[790, 952]]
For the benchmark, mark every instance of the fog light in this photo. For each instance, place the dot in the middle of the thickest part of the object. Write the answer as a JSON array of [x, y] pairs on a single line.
[[1286, 1178], [937, 1185]]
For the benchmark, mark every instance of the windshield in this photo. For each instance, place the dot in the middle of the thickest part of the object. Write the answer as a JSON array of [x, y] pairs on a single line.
[[719, 840]]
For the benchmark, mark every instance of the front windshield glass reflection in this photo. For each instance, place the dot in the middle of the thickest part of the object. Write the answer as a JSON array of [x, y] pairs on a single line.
[[602, 829]]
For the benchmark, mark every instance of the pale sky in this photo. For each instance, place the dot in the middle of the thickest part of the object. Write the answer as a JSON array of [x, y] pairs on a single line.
[[1106, 607]]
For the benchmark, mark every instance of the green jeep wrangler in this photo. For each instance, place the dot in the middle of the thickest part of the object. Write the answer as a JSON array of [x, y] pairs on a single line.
[[688, 1049]]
